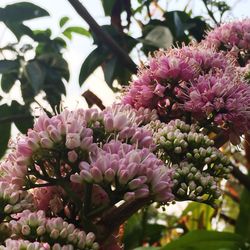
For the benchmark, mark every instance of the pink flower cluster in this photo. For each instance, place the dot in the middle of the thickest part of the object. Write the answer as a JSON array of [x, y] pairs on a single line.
[[72, 165], [134, 173], [194, 81], [223, 100], [160, 84], [234, 35], [13, 199], [33, 227]]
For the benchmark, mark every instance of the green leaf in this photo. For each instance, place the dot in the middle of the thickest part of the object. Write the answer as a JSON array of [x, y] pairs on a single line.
[[19, 29], [22, 11], [5, 129], [133, 232], [7, 81], [243, 221], [178, 25], [75, 29], [56, 62], [53, 91], [93, 60], [209, 240], [35, 74], [200, 216], [109, 70], [22, 124], [153, 232], [8, 66], [198, 28], [108, 6], [160, 37], [63, 21]]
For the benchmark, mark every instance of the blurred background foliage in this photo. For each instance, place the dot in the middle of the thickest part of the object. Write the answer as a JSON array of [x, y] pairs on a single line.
[[38, 68]]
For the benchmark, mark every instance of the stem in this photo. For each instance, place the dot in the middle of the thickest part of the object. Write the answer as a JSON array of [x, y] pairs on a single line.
[[33, 185], [106, 38], [87, 198], [117, 216], [210, 13]]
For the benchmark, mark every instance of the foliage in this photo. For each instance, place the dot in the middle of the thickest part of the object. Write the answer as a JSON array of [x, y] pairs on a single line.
[[38, 67]]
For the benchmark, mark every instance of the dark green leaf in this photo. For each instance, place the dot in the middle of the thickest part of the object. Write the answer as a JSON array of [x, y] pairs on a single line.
[[4, 138], [178, 25], [209, 240], [35, 74], [198, 29], [53, 91], [153, 232], [23, 124], [133, 232], [4, 128], [63, 21], [22, 11], [56, 62], [93, 60], [19, 29], [8, 66], [109, 70], [243, 221], [178, 22], [79, 30], [107, 6], [8, 81], [42, 35]]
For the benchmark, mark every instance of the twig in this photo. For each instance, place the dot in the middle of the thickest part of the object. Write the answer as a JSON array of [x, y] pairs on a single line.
[[210, 13], [108, 40]]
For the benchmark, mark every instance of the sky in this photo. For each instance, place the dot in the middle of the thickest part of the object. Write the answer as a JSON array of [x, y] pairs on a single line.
[[81, 46]]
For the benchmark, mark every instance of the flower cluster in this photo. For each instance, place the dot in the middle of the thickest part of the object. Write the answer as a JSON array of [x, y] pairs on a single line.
[[75, 165], [133, 173], [233, 37], [37, 231], [167, 71], [221, 100], [197, 165], [13, 199], [194, 82]]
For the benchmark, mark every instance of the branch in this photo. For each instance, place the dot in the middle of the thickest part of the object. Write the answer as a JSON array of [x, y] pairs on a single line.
[[108, 40], [116, 216]]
